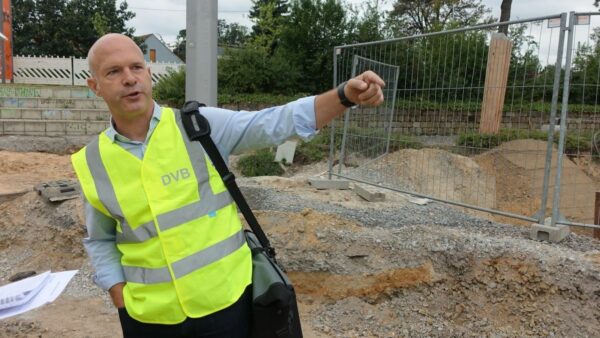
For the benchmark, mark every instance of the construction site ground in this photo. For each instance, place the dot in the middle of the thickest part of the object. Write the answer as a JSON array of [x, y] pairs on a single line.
[[361, 269]]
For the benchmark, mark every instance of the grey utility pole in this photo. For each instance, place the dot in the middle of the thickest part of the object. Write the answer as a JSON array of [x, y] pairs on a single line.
[[201, 51]]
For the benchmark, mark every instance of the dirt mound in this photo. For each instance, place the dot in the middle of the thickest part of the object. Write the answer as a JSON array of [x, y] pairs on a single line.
[[519, 170], [437, 173], [21, 171], [39, 235]]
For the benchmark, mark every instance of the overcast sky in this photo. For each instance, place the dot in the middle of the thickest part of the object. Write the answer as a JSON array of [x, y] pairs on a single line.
[[167, 17]]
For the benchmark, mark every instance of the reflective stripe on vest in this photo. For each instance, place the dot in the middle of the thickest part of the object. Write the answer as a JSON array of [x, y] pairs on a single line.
[[186, 265]]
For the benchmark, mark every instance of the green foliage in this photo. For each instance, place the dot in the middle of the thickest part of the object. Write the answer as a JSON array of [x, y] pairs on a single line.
[[261, 163], [267, 16], [170, 89], [312, 29], [65, 28], [424, 16], [316, 149], [574, 144], [253, 70], [255, 100]]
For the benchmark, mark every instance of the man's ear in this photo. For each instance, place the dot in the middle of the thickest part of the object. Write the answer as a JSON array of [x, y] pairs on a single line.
[[91, 82]]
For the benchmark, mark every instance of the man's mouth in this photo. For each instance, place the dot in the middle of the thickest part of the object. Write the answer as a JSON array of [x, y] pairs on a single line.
[[132, 95]]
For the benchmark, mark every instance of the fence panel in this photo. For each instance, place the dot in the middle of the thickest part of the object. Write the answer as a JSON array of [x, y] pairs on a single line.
[[81, 72], [42, 70], [580, 121], [69, 71], [472, 116]]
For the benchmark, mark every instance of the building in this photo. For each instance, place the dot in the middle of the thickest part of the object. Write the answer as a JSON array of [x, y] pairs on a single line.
[[156, 51]]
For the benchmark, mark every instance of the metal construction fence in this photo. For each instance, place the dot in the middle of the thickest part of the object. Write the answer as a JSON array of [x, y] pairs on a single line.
[[505, 123], [68, 70]]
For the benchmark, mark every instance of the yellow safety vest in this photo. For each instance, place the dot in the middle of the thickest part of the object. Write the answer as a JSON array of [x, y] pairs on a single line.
[[184, 253]]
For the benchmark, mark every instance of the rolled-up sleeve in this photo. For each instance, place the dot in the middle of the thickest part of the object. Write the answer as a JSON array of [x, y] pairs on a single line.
[[238, 131], [102, 249]]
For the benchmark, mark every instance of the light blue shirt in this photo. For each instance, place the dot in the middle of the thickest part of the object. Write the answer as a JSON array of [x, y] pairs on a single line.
[[232, 131]]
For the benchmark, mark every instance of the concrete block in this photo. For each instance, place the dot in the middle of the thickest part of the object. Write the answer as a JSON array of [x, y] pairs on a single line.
[[286, 152], [543, 232], [35, 126], [14, 127], [368, 193], [45, 103], [51, 114], [82, 92], [75, 128], [31, 114], [56, 128], [28, 103], [61, 93], [93, 115], [329, 184], [96, 127], [68, 114], [100, 104], [84, 104], [10, 114], [45, 93], [9, 102]]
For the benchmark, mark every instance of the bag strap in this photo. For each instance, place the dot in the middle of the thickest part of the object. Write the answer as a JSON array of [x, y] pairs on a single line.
[[197, 128]]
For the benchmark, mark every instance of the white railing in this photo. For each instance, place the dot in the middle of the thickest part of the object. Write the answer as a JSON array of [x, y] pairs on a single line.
[[68, 70]]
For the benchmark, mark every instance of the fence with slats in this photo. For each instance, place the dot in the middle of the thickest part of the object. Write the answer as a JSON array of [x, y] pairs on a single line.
[[68, 70]]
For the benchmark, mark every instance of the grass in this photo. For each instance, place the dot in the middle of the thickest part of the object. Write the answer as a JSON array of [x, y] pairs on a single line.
[[573, 143]]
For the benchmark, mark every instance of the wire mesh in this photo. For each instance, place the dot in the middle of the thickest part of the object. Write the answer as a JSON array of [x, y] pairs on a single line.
[[580, 171], [452, 87]]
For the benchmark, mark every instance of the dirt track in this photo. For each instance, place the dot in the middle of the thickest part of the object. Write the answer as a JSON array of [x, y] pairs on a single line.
[[386, 269]]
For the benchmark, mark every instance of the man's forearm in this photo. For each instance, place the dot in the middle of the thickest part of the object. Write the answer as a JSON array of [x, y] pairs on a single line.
[[327, 107]]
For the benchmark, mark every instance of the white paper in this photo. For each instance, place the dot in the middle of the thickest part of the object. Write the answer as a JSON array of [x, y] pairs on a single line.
[[52, 287], [21, 292]]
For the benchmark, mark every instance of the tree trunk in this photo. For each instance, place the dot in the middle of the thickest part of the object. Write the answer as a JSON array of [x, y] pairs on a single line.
[[504, 15]]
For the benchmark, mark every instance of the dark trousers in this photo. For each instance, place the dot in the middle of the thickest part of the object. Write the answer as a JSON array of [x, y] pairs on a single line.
[[232, 322]]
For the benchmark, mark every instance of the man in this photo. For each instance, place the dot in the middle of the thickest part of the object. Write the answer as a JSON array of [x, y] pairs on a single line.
[[163, 233]]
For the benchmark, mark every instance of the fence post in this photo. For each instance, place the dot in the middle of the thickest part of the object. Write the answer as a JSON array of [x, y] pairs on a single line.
[[563, 121], [496, 77], [552, 121]]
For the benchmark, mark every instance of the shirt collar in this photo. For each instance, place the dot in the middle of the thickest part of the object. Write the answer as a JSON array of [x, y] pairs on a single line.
[[114, 135]]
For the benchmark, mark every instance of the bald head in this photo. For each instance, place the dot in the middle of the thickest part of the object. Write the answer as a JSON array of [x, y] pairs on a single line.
[[109, 43]]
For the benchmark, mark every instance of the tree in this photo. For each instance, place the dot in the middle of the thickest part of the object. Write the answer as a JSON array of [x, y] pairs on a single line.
[[369, 27], [66, 27], [424, 16], [229, 35], [179, 49], [504, 15], [232, 35], [312, 29], [275, 8]]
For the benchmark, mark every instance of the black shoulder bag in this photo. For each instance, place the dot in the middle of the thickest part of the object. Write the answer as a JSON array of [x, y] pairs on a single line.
[[274, 307]]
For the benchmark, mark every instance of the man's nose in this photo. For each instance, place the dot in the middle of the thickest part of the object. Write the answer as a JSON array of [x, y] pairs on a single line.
[[128, 77]]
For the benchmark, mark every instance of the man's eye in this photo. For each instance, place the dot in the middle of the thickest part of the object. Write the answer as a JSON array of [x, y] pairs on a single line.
[[112, 72]]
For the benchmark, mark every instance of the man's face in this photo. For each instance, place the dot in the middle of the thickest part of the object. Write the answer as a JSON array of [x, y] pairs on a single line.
[[122, 79]]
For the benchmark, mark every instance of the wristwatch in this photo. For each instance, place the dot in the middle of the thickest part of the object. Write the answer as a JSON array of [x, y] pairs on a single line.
[[343, 99]]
